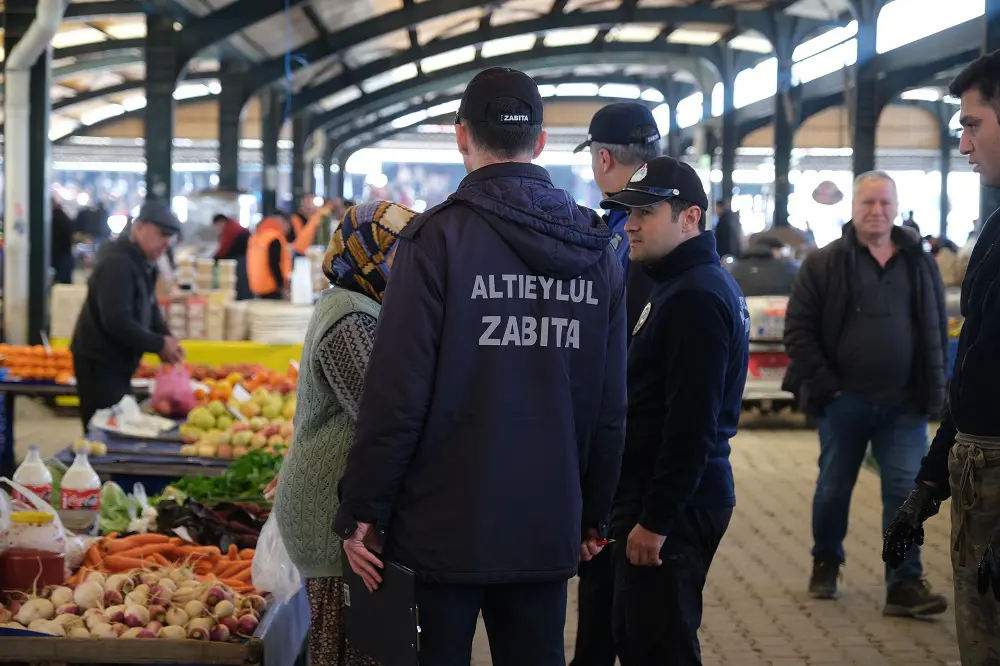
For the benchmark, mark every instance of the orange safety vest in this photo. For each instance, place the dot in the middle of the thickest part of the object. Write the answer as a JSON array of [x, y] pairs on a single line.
[[304, 233], [262, 281]]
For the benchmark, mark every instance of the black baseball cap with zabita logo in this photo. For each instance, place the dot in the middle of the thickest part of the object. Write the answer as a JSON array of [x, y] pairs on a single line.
[[501, 95]]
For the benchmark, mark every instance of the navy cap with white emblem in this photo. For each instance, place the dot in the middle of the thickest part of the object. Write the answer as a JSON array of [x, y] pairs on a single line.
[[658, 180]]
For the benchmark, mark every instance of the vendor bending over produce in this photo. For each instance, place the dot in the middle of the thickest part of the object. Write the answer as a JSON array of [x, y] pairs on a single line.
[[121, 320], [334, 358]]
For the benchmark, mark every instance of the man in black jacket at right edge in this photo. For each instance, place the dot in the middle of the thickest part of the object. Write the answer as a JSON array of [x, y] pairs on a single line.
[[964, 458]]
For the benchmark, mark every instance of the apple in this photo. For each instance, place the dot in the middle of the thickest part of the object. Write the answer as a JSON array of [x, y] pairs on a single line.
[[286, 429], [242, 438], [190, 438], [270, 431], [258, 441], [275, 440], [225, 451], [250, 409], [240, 426], [258, 423], [240, 451]]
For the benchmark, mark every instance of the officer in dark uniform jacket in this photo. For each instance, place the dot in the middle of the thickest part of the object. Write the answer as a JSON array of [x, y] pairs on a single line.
[[687, 367], [490, 433], [121, 319]]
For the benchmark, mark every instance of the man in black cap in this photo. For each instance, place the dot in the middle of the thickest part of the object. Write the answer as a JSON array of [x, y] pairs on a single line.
[[490, 433], [121, 319], [622, 137], [687, 367]]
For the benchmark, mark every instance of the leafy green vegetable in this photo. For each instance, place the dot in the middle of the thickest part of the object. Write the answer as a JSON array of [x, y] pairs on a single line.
[[114, 508], [243, 481]]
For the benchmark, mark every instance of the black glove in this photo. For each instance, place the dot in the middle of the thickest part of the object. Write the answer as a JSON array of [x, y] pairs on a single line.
[[989, 568], [907, 528]]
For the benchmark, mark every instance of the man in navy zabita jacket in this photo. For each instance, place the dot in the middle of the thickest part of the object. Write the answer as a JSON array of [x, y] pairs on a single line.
[[491, 429]]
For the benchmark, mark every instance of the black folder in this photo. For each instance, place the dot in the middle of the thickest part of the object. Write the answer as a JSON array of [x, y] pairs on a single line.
[[384, 624]]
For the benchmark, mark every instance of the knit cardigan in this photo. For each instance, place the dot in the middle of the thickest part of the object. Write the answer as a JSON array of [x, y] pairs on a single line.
[[306, 501]]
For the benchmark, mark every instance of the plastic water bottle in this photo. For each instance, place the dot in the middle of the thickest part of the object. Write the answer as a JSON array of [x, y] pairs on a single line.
[[34, 475]]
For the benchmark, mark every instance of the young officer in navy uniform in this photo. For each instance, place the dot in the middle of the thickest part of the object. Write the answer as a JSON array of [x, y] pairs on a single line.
[[687, 365], [622, 137], [490, 433]]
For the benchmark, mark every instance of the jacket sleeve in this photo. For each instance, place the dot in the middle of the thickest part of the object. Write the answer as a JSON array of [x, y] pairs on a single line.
[[114, 293], [158, 324], [398, 390], [934, 466], [600, 479], [804, 329], [696, 345]]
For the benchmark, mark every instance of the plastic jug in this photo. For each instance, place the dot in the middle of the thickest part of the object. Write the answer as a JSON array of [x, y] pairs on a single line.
[[34, 475]]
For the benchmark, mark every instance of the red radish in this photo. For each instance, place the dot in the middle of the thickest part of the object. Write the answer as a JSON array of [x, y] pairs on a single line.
[[133, 632], [154, 626], [115, 613], [230, 623], [173, 632], [199, 634], [176, 617], [249, 612], [160, 595], [148, 633], [248, 625], [120, 629], [113, 598], [68, 609], [158, 613], [5, 616], [215, 595], [220, 633], [136, 616], [14, 607], [255, 602]]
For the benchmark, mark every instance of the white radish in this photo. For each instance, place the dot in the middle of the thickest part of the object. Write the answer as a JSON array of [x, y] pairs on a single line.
[[149, 579], [89, 595], [119, 583], [5, 616], [61, 596], [50, 627], [223, 609], [177, 617], [13, 625], [69, 621], [206, 623], [113, 597], [133, 632], [168, 584], [173, 632], [185, 595], [96, 577], [36, 609], [68, 609], [136, 616], [195, 609], [134, 598], [79, 632], [160, 595], [103, 631]]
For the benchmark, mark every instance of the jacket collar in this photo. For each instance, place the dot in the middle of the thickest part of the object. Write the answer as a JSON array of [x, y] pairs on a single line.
[[904, 238], [507, 170], [693, 252]]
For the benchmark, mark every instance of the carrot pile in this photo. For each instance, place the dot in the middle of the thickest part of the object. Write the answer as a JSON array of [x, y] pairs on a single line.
[[114, 554]]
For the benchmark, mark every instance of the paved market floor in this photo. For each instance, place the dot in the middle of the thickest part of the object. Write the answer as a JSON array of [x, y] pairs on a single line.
[[756, 610]]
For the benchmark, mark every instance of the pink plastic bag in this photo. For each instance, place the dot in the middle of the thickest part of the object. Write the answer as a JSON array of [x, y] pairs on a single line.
[[173, 396]]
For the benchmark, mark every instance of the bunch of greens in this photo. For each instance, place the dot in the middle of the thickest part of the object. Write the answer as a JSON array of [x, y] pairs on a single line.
[[243, 481], [114, 509]]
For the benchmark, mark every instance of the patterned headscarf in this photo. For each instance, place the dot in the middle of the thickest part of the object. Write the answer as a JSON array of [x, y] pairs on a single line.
[[357, 258]]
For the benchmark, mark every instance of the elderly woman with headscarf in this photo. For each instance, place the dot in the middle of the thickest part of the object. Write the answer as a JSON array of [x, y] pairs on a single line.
[[331, 376]]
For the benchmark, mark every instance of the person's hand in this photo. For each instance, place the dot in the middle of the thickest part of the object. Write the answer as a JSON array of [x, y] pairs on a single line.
[[271, 489], [363, 562], [643, 547], [172, 351], [591, 546], [989, 568], [907, 528]]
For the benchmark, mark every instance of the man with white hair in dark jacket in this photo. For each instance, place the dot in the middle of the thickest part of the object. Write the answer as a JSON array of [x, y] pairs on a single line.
[[490, 433]]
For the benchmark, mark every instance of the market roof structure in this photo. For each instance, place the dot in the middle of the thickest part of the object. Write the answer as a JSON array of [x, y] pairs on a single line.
[[334, 54]]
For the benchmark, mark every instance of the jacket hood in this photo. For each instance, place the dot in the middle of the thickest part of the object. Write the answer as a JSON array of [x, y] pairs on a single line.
[[543, 225]]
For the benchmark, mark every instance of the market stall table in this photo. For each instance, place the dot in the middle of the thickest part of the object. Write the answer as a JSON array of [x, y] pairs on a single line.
[[153, 463], [278, 641]]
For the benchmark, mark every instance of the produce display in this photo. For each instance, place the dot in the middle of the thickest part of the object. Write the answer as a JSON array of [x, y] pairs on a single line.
[[263, 422], [243, 482], [120, 593], [36, 363], [220, 381]]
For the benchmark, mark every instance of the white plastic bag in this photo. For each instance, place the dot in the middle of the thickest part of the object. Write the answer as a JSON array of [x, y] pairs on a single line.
[[272, 569]]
